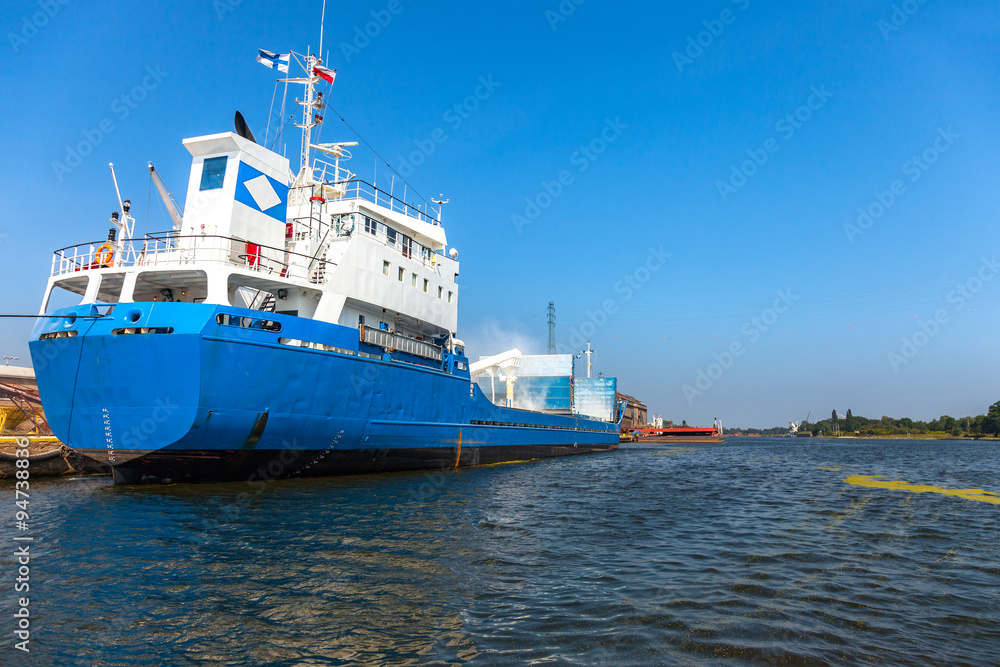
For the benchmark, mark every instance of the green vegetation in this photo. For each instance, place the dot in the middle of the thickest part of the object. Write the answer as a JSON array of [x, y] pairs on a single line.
[[943, 426], [987, 425]]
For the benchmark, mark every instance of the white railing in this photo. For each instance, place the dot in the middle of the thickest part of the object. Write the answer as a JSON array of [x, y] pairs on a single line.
[[330, 173], [358, 189], [169, 250], [336, 182]]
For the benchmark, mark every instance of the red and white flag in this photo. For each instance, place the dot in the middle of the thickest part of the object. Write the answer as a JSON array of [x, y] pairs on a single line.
[[324, 73]]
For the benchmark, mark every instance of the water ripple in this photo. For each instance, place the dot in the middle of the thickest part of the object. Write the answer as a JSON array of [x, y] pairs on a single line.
[[750, 552]]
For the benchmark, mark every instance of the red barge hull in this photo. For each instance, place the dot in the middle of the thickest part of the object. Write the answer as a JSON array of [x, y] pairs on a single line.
[[677, 434]]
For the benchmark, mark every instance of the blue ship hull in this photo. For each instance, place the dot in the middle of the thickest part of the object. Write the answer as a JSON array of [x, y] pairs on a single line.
[[174, 391]]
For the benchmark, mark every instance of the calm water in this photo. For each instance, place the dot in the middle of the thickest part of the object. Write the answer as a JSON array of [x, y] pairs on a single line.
[[750, 552]]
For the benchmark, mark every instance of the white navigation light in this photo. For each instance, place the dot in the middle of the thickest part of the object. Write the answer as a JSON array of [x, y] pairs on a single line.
[[262, 192], [453, 253]]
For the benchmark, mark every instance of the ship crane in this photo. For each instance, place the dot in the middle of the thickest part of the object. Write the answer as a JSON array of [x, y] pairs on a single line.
[[176, 215]]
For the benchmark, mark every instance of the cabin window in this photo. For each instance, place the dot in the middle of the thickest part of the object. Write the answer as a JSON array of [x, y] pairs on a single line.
[[413, 280], [213, 173], [371, 227], [450, 295], [440, 292], [427, 284], [402, 272], [390, 236], [407, 246], [385, 268]]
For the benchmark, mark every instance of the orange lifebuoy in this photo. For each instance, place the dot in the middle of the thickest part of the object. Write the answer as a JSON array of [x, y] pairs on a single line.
[[105, 255]]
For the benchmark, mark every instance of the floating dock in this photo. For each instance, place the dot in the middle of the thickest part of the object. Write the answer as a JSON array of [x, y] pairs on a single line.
[[47, 458]]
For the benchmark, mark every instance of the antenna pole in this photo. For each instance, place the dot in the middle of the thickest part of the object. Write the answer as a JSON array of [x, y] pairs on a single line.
[[552, 327], [440, 201], [321, 21]]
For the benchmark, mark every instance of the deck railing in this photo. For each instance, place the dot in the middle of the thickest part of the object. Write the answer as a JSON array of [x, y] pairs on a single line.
[[359, 189], [171, 250]]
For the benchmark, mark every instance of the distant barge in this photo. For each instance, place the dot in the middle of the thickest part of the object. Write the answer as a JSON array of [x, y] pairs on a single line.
[[678, 434]]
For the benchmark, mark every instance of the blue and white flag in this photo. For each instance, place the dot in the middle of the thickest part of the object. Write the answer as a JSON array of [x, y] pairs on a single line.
[[278, 61]]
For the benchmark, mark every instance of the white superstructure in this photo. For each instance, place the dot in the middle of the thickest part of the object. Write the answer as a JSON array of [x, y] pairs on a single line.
[[318, 243]]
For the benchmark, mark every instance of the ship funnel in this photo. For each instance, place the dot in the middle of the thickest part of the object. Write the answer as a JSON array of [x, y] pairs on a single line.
[[243, 129]]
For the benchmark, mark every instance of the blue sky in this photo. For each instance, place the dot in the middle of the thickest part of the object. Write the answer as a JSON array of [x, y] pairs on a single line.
[[669, 126]]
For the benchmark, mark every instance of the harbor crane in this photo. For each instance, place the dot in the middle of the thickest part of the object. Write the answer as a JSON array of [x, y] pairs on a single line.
[[795, 426]]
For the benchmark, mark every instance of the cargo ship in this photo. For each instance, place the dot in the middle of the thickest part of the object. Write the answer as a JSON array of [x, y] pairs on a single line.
[[291, 323]]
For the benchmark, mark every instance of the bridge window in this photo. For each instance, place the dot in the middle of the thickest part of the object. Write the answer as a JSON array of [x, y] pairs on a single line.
[[385, 268], [213, 173]]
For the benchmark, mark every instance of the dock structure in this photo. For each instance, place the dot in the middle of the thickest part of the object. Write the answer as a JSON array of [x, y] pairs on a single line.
[[22, 419], [635, 412], [20, 405]]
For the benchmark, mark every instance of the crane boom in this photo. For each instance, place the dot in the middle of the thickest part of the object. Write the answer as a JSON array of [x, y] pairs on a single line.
[[168, 199]]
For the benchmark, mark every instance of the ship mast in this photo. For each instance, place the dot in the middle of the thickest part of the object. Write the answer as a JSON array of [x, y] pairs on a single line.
[[310, 103], [307, 108]]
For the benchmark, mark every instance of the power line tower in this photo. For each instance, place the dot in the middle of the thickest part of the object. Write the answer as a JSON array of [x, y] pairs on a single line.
[[552, 327]]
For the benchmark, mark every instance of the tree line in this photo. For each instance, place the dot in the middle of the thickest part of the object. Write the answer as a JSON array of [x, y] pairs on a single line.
[[980, 425], [850, 424]]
